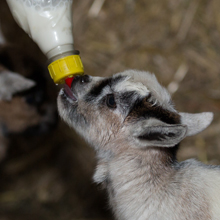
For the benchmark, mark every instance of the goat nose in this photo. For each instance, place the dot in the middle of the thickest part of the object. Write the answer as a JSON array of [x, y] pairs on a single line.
[[83, 79]]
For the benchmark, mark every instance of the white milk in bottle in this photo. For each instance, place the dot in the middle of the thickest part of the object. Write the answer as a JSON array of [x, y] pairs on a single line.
[[49, 24]]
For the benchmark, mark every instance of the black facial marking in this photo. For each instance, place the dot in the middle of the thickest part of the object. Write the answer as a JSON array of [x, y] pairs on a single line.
[[126, 100], [144, 110], [117, 79], [97, 90], [127, 96]]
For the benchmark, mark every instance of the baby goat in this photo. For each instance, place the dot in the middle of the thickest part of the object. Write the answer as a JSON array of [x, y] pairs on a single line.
[[131, 122]]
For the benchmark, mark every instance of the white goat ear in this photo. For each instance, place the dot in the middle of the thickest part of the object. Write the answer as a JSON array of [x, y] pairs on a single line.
[[196, 122], [11, 83], [158, 135]]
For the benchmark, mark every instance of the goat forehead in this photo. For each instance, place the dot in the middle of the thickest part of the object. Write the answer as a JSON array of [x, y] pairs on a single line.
[[128, 85], [144, 83]]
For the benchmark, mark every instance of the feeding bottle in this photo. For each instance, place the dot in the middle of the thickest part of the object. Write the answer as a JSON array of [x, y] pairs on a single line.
[[49, 24]]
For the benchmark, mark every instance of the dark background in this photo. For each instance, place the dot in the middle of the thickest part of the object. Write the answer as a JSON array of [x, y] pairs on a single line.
[[48, 174]]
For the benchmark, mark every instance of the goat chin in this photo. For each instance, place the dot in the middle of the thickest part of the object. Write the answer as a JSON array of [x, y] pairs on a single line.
[[131, 122]]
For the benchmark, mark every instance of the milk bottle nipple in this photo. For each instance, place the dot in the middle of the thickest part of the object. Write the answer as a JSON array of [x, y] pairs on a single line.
[[49, 24]]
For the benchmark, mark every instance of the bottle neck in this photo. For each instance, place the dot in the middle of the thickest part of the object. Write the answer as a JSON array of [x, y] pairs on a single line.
[[60, 52], [64, 62]]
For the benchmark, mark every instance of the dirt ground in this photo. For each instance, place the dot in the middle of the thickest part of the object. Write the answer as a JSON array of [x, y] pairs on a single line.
[[49, 176]]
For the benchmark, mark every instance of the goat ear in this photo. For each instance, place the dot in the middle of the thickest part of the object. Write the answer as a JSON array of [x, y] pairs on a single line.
[[158, 135], [11, 83], [196, 122]]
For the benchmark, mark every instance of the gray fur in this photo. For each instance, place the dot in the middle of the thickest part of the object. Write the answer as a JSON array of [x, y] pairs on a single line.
[[196, 122], [136, 144], [172, 134]]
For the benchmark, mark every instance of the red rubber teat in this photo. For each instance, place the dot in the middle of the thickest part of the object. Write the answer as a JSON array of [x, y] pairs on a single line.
[[69, 81]]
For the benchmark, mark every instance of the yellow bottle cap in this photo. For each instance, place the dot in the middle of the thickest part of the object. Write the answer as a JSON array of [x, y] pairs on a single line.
[[65, 67]]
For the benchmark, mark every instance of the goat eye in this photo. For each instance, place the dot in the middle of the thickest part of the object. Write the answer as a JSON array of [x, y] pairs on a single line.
[[110, 101]]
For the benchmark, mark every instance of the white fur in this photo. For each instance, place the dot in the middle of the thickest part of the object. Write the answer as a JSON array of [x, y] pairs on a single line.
[[150, 82], [129, 85], [196, 122], [136, 152]]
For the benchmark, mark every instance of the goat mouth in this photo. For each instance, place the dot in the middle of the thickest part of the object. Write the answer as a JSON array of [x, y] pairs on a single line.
[[68, 93]]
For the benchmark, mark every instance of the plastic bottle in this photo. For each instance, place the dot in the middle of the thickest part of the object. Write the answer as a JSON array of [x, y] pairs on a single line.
[[49, 24]]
